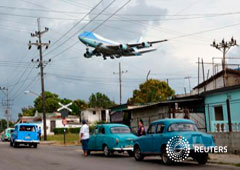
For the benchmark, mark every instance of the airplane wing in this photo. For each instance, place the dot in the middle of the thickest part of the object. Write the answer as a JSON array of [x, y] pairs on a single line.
[[145, 44], [136, 45]]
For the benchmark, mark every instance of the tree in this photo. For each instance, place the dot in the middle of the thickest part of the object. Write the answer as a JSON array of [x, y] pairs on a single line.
[[28, 111], [100, 100], [77, 106], [52, 100], [151, 91]]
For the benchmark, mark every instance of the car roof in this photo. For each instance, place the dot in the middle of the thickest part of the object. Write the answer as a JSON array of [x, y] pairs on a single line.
[[170, 121], [26, 124], [113, 125]]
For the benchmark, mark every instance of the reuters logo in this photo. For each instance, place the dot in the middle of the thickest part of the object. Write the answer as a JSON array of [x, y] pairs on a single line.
[[178, 148]]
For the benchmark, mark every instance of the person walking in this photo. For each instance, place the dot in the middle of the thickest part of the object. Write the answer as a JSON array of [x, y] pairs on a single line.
[[84, 136], [141, 129]]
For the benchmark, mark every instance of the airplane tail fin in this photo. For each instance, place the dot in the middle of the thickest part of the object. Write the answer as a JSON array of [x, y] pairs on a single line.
[[139, 40]]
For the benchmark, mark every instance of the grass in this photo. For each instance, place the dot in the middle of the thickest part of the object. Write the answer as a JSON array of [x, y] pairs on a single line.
[[238, 165], [71, 138]]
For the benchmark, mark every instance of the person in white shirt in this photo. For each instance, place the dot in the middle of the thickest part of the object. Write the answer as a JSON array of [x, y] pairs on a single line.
[[84, 136]]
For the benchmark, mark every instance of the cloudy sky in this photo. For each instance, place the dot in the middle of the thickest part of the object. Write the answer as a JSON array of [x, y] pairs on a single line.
[[189, 25]]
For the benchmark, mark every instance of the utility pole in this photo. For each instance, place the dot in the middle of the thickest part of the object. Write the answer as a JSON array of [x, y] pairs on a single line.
[[120, 72], [224, 47], [7, 104], [41, 64], [189, 82]]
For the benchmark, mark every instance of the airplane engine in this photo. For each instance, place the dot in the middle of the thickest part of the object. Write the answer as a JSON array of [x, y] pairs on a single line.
[[88, 54], [146, 44], [123, 46]]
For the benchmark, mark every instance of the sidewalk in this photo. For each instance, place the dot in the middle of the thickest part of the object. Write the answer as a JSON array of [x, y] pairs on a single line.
[[224, 159]]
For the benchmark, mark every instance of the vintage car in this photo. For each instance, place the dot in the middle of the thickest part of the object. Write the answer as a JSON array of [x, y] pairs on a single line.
[[161, 132], [110, 138], [6, 135], [25, 133]]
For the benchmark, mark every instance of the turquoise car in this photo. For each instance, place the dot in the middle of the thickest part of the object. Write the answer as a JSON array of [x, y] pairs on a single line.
[[26, 134], [6, 135], [171, 139], [110, 138]]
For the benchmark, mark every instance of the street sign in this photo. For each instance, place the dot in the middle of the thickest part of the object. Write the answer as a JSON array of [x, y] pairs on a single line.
[[64, 109], [64, 121]]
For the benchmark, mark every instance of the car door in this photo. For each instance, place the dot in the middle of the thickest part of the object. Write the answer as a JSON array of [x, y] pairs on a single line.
[[92, 140], [148, 139], [158, 137], [100, 138]]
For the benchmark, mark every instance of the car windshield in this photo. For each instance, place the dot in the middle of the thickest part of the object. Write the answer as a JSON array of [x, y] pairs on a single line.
[[120, 130], [182, 127], [27, 128]]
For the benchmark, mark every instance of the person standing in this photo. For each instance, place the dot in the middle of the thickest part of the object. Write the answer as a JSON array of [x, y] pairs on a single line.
[[84, 136], [141, 129], [39, 132]]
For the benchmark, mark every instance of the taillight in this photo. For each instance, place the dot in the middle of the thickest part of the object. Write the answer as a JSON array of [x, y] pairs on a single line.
[[117, 140], [214, 138]]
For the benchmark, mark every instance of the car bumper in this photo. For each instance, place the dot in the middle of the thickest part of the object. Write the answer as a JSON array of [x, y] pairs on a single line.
[[23, 141], [123, 149]]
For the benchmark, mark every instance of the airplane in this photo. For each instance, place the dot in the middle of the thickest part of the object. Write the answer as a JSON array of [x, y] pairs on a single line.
[[108, 48]]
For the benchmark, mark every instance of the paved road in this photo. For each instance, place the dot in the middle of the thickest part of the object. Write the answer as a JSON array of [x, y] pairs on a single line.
[[70, 158]]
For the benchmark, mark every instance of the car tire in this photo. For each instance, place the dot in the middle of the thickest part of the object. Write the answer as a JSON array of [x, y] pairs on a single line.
[[15, 144], [89, 152], [202, 158], [35, 145], [130, 153], [165, 158], [137, 154], [106, 151]]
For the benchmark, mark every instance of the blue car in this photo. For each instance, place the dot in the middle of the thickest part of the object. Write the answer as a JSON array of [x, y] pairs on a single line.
[[174, 140], [25, 133], [110, 138]]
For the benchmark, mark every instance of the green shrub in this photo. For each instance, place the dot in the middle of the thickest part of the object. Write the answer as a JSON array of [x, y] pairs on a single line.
[[68, 130]]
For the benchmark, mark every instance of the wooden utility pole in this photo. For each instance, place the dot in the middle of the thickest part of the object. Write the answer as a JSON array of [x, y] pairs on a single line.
[[7, 104], [41, 64], [120, 72], [203, 75]]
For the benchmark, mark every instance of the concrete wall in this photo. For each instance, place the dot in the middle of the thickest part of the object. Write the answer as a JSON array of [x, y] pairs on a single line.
[[231, 140]]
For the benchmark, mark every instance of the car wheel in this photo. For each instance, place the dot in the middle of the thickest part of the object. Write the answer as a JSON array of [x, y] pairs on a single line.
[[165, 158], [15, 145], [137, 154], [89, 152], [130, 153], [106, 150], [202, 158], [35, 145]]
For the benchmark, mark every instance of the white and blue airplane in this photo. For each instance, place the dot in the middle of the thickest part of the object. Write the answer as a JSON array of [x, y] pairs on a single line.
[[108, 48]]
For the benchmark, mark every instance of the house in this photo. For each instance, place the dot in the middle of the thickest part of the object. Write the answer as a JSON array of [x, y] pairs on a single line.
[[53, 120], [222, 108], [221, 94], [186, 107], [230, 77], [92, 115]]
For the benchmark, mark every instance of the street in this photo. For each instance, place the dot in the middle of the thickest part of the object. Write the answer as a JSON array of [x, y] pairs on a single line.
[[70, 158]]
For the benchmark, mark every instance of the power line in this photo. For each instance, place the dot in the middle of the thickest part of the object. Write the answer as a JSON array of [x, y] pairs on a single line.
[[76, 24]]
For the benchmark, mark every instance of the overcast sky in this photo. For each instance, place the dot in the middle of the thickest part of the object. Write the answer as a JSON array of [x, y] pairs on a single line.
[[190, 26]]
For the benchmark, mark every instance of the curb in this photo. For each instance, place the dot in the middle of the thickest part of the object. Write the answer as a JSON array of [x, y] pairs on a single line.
[[47, 142]]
